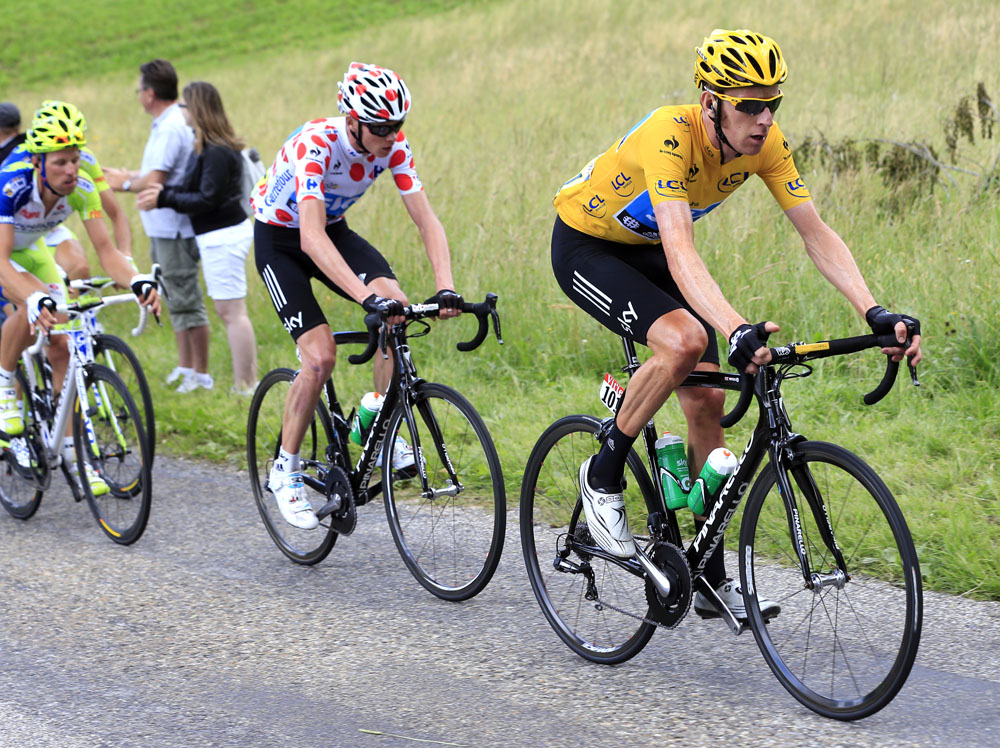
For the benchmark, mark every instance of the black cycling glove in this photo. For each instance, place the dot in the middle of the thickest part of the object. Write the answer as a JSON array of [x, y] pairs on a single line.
[[390, 307], [883, 322], [446, 299], [142, 284], [743, 344]]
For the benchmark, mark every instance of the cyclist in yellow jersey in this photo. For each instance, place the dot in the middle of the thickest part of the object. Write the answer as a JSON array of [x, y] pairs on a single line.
[[623, 250]]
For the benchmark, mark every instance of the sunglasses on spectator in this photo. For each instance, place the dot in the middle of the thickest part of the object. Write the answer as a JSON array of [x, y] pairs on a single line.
[[380, 131], [753, 107]]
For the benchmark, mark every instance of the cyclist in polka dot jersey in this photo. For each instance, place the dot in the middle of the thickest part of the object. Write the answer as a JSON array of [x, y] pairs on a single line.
[[300, 233]]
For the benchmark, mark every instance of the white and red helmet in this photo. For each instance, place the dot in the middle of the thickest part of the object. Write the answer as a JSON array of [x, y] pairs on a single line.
[[372, 94]]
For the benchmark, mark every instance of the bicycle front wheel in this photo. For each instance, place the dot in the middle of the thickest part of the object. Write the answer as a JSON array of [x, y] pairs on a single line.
[[263, 442], [115, 353], [844, 645], [110, 441], [598, 608], [450, 534], [24, 471]]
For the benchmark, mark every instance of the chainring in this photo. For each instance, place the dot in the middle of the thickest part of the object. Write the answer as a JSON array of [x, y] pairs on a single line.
[[674, 564], [344, 519]]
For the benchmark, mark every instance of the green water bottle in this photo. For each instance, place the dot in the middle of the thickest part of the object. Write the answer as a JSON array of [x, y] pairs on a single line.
[[674, 474], [370, 405], [721, 463]]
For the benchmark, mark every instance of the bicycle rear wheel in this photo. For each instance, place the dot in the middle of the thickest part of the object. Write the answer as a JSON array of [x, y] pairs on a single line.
[[568, 583], [845, 647], [450, 537], [24, 471], [115, 353], [263, 442], [110, 439]]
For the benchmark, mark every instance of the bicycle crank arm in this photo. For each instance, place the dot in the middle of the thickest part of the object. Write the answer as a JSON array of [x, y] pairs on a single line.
[[663, 585], [724, 612]]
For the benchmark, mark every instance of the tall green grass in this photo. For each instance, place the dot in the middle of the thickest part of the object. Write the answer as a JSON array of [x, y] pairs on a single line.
[[512, 98]]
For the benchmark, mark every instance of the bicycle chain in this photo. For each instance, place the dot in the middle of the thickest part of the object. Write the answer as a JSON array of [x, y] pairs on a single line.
[[679, 566]]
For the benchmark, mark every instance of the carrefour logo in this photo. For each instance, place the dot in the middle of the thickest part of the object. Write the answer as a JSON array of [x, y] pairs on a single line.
[[734, 180], [596, 207], [669, 187], [797, 188], [623, 185]]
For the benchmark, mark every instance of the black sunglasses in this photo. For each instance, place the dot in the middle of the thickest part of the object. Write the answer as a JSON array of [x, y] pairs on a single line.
[[380, 131], [753, 107]]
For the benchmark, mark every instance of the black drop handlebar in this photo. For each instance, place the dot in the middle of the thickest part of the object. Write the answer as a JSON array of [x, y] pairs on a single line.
[[800, 352], [483, 311]]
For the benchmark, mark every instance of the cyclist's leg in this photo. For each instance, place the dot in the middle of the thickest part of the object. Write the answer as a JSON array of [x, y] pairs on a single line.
[[374, 271], [611, 282], [68, 252]]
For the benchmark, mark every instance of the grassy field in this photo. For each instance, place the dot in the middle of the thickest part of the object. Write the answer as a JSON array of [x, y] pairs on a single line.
[[512, 98]]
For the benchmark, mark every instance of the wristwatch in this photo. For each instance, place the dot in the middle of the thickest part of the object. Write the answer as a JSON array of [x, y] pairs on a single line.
[[126, 185]]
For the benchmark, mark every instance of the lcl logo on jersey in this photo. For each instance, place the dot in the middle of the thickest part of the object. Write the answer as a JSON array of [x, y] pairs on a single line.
[[734, 180], [682, 120], [669, 187], [623, 185], [797, 188], [596, 207]]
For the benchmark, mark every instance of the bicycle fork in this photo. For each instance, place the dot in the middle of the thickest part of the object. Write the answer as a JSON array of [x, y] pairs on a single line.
[[784, 462]]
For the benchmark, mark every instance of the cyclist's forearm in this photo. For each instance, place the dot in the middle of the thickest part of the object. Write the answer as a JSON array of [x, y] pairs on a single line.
[[689, 271], [330, 262], [834, 260], [119, 222], [439, 255]]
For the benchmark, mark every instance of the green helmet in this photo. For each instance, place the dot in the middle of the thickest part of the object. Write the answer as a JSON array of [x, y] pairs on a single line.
[[53, 134], [63, 109]]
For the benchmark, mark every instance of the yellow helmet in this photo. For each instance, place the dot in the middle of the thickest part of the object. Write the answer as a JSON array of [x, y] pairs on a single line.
[[54, 108], [731, 59], [53, 134]]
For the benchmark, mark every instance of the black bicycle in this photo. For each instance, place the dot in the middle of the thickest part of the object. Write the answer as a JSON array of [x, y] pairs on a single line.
[[820, 534], [447, 511]]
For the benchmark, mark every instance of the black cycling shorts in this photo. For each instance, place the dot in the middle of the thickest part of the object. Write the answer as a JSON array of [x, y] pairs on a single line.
[[625, 287], [287, 270]]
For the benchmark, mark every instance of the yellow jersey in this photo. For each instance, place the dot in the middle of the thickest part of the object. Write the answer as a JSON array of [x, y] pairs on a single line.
[[668, 156]]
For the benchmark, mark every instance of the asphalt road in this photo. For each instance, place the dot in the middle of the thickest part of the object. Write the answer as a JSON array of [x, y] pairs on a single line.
[[203, 634]]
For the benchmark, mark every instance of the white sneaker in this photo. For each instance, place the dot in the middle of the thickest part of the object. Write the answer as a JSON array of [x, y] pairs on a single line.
[[290, 494], [177, 373], [194, 381], [402, 455], [606, 517], [732, 595]]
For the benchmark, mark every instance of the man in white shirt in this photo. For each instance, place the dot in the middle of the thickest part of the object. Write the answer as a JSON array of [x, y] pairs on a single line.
[[171, 238]]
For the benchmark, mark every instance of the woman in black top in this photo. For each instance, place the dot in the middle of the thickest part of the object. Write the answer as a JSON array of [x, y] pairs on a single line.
[[211, 195]]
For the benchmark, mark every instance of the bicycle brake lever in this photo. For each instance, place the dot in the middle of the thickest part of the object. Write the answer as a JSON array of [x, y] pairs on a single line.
[[495, 316], [381, 340], [913, 371]]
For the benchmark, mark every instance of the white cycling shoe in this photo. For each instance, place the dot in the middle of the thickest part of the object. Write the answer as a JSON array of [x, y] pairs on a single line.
[[606, 517], [402, 456], [732, 595], [290, 494]]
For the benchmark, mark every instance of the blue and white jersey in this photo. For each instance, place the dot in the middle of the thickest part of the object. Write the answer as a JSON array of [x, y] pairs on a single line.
[[21, 204]]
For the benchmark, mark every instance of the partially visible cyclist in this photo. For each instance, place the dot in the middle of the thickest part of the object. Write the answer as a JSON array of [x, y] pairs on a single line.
[[300, 233], [68, 250], [623, 250], [36, 196]]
